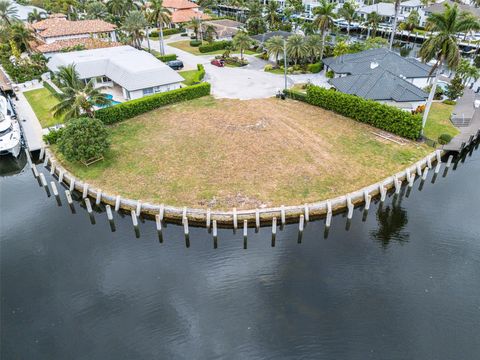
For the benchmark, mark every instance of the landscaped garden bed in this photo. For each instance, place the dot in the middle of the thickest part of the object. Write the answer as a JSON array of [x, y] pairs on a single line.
[[245, 154]]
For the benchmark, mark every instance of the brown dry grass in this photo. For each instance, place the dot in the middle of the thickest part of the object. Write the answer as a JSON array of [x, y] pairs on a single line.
[[226, 153]]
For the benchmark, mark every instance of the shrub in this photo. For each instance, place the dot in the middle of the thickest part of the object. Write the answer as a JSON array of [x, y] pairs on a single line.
[[449, 102], [455, 88], [330, 74], [382, 116], [215, 46], [195, 43], [438, 92], [154, 34], [83, 139], [53, 136], [444, 139], [200, 73], [296, 95], [167, 32], [167, 57], [315, 68], [268, 67], [136, 107]]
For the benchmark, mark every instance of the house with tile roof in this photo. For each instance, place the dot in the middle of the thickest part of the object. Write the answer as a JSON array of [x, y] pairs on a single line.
[[184, 11]]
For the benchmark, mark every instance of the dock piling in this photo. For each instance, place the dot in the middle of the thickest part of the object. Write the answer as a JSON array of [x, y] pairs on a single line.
[[274, 230], [235, 220], [42, 180], [208, 221], [88, 205], [54, 188], [350, 207], [134, 218], [117, 203], [245, 234], [109, 213], [85, 190], [99, 197], [328, 219], [257, 219], [72, 184], [282, 215], [139, 208], [214, 231], [307, 213]]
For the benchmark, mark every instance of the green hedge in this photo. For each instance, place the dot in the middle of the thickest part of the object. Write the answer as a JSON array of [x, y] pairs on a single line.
[[195, 43], [295, 95], [136, 107], [217, 45], [166, 57], [382, 116], [315, 68], [200, 74], [166, 32], [49, 87]]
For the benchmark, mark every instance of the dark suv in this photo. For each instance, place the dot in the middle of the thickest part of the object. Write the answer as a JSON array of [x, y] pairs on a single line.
[[175, 64]]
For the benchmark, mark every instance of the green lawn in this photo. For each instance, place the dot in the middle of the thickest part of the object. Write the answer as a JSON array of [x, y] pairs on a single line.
[[185, 46], [189, 76], [438, 121], [41, 101]]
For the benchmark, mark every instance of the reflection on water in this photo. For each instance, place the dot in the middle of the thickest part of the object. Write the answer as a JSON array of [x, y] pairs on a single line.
[[392, 220]]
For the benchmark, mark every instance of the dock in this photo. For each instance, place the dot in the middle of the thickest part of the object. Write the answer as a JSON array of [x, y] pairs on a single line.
[[31, 128]]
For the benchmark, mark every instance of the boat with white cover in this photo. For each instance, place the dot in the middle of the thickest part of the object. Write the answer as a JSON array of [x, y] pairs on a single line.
[[10, 135]]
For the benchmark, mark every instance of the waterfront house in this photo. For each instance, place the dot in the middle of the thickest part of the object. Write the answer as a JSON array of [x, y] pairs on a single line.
[[128, 73], [183, 11]]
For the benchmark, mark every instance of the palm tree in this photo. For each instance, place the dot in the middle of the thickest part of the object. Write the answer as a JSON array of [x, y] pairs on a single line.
[[443, 46], [21, 35], [210, 32], [242, 42], [323, 21], [272, 15], [314, 47], [274, 46], [96, 10], [8, 13], [296, 48], [134, 24], [120, 8], [196, 26], [255, 20], [161, 16], [373, 20], [394, 26], [348, 12], [36, 15], [76, 98]]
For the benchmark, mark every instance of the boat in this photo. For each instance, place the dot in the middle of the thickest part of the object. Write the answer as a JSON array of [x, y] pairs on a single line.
[[10, 134]]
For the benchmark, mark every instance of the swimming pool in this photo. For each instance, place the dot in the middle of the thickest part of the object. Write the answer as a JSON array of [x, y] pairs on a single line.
[[112, 102]]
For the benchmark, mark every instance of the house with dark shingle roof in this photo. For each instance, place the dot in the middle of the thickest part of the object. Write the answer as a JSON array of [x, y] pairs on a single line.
[[381, 75]]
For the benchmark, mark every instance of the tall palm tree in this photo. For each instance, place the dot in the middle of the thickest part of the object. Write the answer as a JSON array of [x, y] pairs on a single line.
[[8, 13], [373, 20], [443, 46], [36, 15], [296, 48], [120, 8], [77, 98], [96, 10], [314, 47], [274, 46], [272, 17], [134, 24], [161, 16], [323, 21], [348, 12], [209, 33], [242, 42], [21, 35], [255, 21], [394, 26], [195, 25]]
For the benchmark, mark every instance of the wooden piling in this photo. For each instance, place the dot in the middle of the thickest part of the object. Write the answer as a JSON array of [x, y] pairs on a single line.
[[45, 162], [437, 168], [214, 232], [158, 222], [54, 188], [88, 205], [350, 207], [274, 230], [72, 184], [368, 199], [60, 176], [257, 219], [438, 154], [245, 234], [425, 173], [109, 213], [184, 213], [398, 185], [412, 180], [117, 203], [383, 193], [429, 163], [134, 218], [419, 169], [301, 223], [185, 226], [408, 175], [52, 168], [161, 212]]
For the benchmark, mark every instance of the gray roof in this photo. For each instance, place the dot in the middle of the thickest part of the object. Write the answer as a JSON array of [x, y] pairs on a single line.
[[130, 68], [440, 7], [264, 37], [361, 63], [379, 84]]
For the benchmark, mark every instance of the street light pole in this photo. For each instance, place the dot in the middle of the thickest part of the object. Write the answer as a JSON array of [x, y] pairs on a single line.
[[285, 61]]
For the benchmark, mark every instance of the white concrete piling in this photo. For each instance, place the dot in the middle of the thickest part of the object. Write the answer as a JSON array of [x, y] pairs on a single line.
[[412, 180], [184, 213], [425, 173], [109, 212], [429, 162], [69, 197], [408, 175], [437, 168], [134, 218], [88, 205], [209, 217], [45, 162], [214, 231], [54, 188], [42, 180], [42, 153], [99, 197], [368, 199], [449, 161], [307, 213], [158, 222], [29, 159], [438, 154], [35, 171], [60, 176], [52, 168], [350, 207], [274, 226], [328, 219], [282, 215], [185, 226], [117, 203], [383, 193], [85, 190], [419, 169], [398, 185], [139, 208], [235, 220], [161, 212], [245, 228], [72, 184], [301, 223], [257, 219]]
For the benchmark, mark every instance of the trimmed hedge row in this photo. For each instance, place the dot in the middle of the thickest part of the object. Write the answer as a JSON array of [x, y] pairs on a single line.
[[132, 108], [217, 45], [200, 74], [166, 57], [166, 32], [381, 116]]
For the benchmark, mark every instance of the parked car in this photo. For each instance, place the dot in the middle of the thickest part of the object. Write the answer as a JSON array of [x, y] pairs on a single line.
[[218, 62], [175, 64]]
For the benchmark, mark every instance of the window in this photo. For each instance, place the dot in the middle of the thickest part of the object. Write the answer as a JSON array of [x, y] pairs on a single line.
[[148, 91]]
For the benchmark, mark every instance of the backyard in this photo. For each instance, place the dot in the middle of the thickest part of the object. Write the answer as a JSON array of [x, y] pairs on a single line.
[[245, 154], [438, 121], [42, 101]]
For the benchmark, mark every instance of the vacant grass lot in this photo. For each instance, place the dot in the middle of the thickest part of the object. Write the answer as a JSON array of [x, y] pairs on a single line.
[[438, 121], [226, 153], [41, 101], [185, 46]]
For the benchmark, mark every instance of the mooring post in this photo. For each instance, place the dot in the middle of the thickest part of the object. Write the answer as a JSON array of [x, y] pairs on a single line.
[[88, 205], [449, 161], [158, 222], [307, 213], [35, 171], [60, 176], [438, 154], [109, 213], [214, 232], [139, 208], [42, 153], [257, 219], [72, 184], [437, 168], [117, 203], [161, 212], [184, 213], [368, 199], [274, 230], [208, 221], [42, 180], [235, 222], [412, 180], [301, 223], [99, 197], [54, 188], [69, 197], [245, 233], [282, 215], [429, 162], [408, 175], [350, 207], [425, 173], [328, 219], [419, 169], [85, 190], [134, 218], [185, 226], [45, 162], [383, 193], [52, 168]]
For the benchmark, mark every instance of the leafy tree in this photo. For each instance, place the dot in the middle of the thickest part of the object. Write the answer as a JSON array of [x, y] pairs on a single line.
[[341, 48], [255, 21], [412, 21], [120, 8], [455, 88], [134, 24], [96, 10], [21, 35], [314, 47], [467, 71], [274, 46], [209, 33], [196, 25], [76, 98], [373, 20], [272, 16], [375, 43], [242, 42], [348, 12], [443, 45], [8, 13], [296, 5], [83, 139], [296, 48], [323, 21], [161, 16]]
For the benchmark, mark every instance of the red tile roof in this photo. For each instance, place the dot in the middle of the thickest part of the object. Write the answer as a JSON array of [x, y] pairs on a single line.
[[186, 15], [88, 43], [179, 4], [52, 27]]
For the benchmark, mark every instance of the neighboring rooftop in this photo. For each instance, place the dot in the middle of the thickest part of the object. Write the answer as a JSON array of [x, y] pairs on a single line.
[[24, 10], [130, 68], [179, 4], [382, 9], [225, 28], [440, 7], [379, 84], [364, 61], [86, 43], [186, 15], [60, 26]]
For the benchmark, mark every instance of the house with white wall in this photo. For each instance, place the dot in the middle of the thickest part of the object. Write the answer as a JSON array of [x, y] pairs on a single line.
[[124, 70]]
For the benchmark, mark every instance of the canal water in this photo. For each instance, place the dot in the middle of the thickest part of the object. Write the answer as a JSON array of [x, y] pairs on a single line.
[[403, 284]]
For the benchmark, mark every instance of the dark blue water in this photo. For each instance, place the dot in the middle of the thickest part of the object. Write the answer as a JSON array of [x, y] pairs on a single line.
[[404, 284]]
